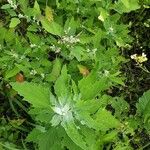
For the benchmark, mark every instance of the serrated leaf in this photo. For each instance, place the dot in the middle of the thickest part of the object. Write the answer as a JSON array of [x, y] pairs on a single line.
[[11, 73], [49, 14], [62, 83], [53, 27], [144, 104], [103, 14], [33, 135], [50, 140], [56, 120], [72, 131], [14, 22], [55, 71], [126, 6], [78, 52], [86, 119], [70, 26], [121, 106], [35, 94], [106, 120], [36, 7], [90, 86], [6, 6]]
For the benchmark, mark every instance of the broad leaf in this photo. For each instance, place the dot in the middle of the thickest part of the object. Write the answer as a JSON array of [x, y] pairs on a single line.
[[62, 83], [55, 71], [126, 6], [37, 10], [49, 14], [90, 86], [72, 131], [14, 22], [11, 73], [35, 94], [143, 107], [51, 27], [50, 140], [106, 120]]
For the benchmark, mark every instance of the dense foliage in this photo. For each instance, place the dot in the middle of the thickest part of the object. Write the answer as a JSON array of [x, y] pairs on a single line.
[[74, 74]]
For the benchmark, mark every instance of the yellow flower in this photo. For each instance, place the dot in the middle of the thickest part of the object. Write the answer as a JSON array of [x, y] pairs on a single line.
[[139, 58]]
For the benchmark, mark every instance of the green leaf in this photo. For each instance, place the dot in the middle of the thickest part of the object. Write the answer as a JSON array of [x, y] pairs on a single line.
[[11, 73], [103, 14], [70, 26], [106, 120], [86, 119], [72, 131], [121, 107], [51, 27], [126, 6], [6, 6], [78, 52], [50, 140], [90, 86], [67, 142], [62, 83], [33, 135], [36, 7], [49, 14], [35, 94], [56, 120], [144, 104], [55, 71], [14, 22]]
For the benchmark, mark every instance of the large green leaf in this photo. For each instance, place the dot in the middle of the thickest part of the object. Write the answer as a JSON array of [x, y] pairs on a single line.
[[35, 94], [14, 22], [62, 83], [90, 86], [36, 7], [11, 73], [50, 140], [51, 27], [126, 5], [143, 107], [72, 131], [55, 71], [106, 120]]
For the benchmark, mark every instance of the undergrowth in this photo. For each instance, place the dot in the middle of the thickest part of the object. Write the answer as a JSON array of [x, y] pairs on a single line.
[[74, 74]]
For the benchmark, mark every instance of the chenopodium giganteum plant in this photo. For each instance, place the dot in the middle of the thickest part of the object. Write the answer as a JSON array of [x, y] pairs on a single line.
[[84, 118], [71, 114]]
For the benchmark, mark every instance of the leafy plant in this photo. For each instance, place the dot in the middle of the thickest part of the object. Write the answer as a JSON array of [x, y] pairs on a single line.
[[64, 59]]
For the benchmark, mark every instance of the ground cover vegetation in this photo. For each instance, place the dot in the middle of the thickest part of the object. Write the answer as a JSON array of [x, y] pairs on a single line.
[[74, 74]]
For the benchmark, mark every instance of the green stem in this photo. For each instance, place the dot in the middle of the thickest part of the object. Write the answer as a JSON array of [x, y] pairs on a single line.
[[146, 145]]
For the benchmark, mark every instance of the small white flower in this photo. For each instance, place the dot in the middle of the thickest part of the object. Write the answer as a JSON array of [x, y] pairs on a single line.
[[33, 45], [12, 4], [143, 55], [139, 58], [69, 39], [133, 56], [21, 16], [33, 72], [56, 49], [42, 75]]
